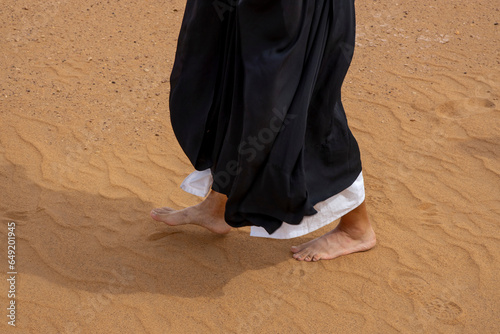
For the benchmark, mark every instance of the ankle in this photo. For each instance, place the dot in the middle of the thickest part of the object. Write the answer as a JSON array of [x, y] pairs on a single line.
[[214, 204], [356, 229]]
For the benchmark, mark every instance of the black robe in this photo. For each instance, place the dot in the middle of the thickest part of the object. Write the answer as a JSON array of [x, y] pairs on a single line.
[[255, 97]]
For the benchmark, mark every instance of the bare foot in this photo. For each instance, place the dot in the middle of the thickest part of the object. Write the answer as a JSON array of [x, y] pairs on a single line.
[[208, 214], [353, 234]]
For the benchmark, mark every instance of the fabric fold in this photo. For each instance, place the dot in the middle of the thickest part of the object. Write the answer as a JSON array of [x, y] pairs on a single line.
[[255, 97]]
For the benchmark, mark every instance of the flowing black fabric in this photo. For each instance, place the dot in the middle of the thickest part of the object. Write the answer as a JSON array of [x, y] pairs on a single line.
[[255, 97]]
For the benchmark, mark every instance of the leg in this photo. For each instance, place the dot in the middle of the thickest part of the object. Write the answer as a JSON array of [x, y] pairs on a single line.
[[208, 214], [353, 234]]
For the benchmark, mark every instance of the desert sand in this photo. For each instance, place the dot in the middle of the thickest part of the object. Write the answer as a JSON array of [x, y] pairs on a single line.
[[87, 150]]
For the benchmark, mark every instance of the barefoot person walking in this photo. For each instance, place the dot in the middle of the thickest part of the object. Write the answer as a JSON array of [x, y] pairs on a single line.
[[255, 104]]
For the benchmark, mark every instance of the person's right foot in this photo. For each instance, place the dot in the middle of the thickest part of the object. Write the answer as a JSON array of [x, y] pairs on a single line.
[[334, 244], [353, 234]]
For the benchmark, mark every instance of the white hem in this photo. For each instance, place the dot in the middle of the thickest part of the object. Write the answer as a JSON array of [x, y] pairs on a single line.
[[199, 183]]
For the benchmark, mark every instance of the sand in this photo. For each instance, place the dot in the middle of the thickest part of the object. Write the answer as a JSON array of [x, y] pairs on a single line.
[[86, 150]]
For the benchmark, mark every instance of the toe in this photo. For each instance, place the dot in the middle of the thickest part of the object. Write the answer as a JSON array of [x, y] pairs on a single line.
[[316, 257], [302, 255], [160, 214], [163, 210]]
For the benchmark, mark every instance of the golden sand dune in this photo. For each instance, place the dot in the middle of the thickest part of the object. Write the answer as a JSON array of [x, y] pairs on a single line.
[[86, 150]]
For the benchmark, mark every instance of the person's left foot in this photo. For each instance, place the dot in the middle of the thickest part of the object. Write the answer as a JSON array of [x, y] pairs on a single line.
[[208, 214]]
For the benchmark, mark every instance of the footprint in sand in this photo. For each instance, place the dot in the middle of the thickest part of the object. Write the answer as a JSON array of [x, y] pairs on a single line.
[[446, 311], [464, 108], [416, 288], [409, 284]]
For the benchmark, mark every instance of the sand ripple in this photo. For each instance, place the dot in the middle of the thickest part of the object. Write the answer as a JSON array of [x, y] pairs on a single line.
[[86, 150]]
